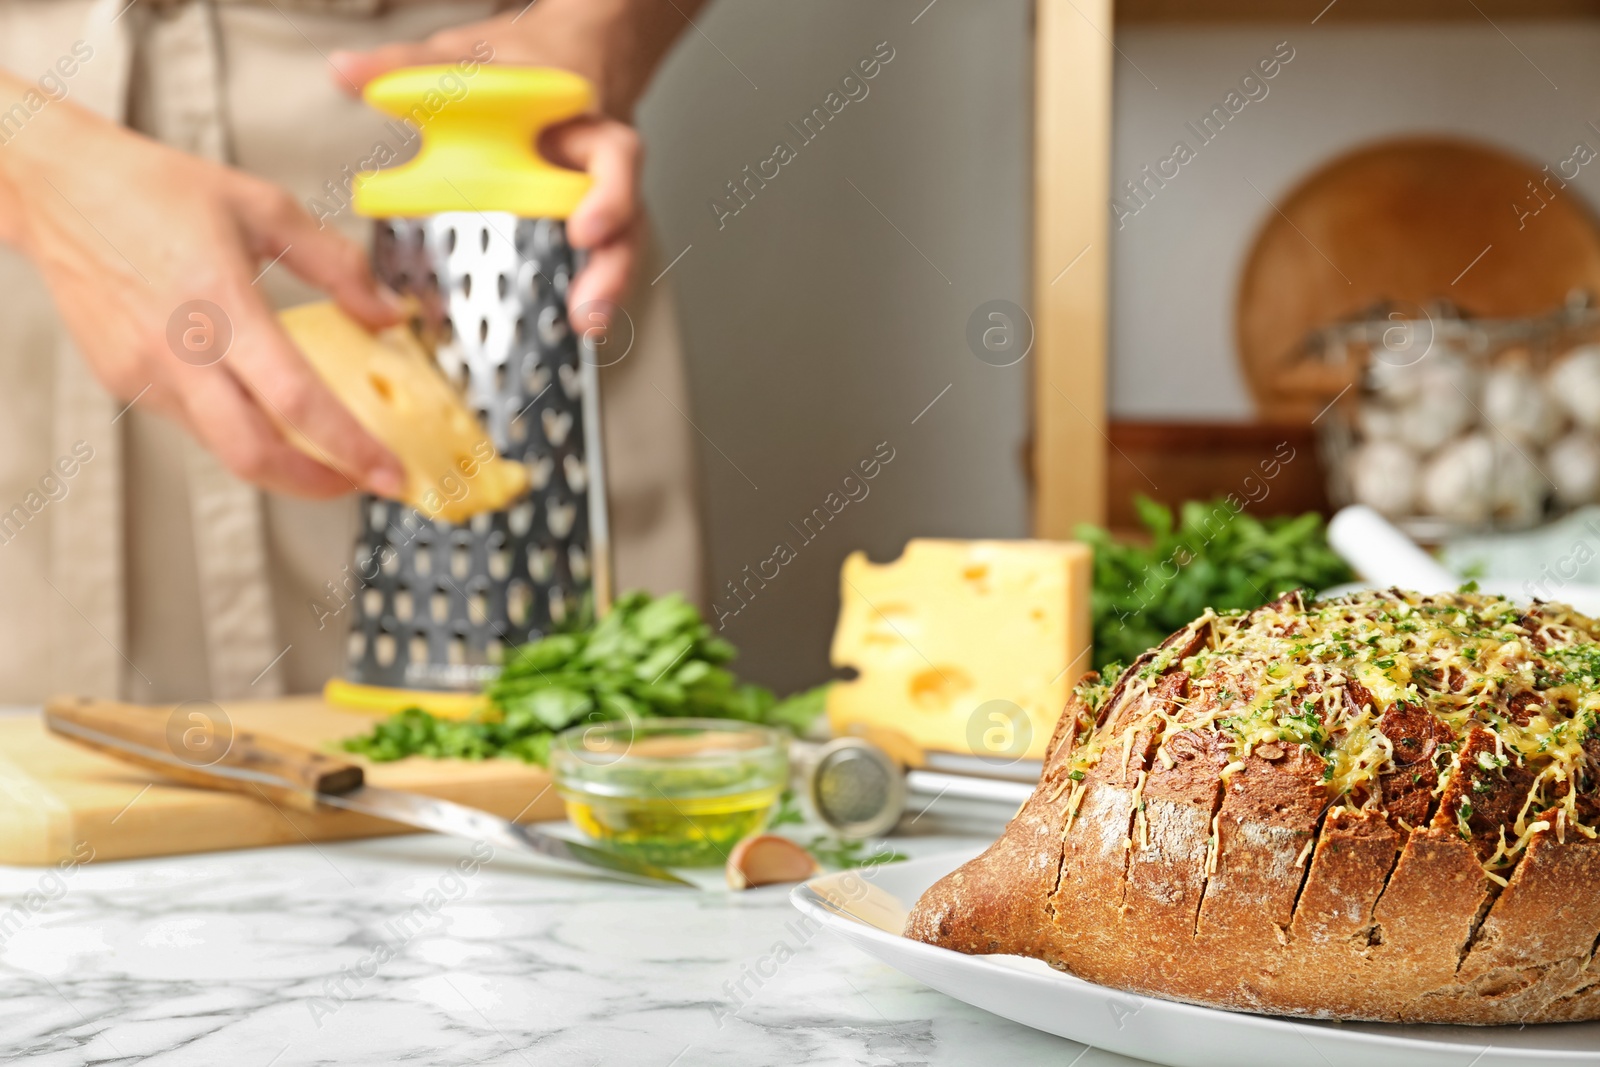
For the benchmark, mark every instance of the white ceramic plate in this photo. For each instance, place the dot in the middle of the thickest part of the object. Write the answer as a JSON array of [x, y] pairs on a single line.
[[869, 912]]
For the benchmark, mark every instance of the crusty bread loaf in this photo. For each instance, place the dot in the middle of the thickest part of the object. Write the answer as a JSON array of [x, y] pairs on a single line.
[[1375, 807]]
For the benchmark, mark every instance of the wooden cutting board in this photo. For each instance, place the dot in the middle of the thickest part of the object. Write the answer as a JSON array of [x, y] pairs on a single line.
[[57, 797]]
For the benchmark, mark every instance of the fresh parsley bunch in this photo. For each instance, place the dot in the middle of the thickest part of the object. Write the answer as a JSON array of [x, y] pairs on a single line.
[[1213, 556], [647, 658]]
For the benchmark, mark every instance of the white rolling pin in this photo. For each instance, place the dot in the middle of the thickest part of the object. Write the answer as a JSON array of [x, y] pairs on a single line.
[[1384, 556]]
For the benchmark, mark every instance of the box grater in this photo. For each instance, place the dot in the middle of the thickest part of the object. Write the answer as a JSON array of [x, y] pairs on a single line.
[[473, 229]]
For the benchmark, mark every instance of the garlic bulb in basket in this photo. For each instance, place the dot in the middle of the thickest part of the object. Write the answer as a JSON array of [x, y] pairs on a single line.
[[1516, 403], [1458, 483], [1444, 407], [1378, 422], [1383, 476], [1574, 384], [1574, 465], [1396, 383], [1435, 417], [1519, 486]]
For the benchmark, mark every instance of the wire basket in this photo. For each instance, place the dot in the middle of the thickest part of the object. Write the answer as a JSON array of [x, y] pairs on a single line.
[[1453, 425]]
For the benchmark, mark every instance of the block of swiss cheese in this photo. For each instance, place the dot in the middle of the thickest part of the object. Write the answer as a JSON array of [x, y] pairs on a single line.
[[963, 646], [394, 390]]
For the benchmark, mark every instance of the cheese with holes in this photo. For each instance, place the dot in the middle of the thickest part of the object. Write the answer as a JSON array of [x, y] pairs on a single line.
[[963, 646], [394, 390]]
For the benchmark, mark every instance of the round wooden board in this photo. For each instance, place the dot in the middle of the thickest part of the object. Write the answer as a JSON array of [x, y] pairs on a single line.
[[1409, 221]]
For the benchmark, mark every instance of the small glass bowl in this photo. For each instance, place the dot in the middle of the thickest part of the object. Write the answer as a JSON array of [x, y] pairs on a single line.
[[678, 792]]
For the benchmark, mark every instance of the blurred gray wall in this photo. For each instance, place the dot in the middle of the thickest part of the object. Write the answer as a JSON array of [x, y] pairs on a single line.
[[815, 330], [830, 312]]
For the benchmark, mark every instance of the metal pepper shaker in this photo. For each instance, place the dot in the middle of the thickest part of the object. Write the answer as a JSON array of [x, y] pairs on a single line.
[[473, 229], [858, 789]]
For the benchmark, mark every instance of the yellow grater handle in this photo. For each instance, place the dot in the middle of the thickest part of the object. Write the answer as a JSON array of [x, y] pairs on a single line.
[[353, 696], [480, 135]]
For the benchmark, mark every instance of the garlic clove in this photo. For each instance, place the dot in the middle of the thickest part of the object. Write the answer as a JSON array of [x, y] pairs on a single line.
[[767, 859]]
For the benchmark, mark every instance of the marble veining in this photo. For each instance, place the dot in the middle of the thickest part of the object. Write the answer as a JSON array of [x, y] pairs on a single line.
[[420, 951]]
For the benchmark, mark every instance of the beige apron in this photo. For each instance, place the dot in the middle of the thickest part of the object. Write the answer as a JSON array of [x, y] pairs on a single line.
[[151, 572]]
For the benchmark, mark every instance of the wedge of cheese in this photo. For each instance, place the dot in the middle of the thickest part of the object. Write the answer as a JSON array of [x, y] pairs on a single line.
[[394, 390], [963, 646]]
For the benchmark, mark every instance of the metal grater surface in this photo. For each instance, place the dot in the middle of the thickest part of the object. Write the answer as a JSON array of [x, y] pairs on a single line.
[[441, 602]]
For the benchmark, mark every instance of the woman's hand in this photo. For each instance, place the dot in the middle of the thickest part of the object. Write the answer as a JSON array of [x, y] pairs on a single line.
[[152, 257], [616, 45]]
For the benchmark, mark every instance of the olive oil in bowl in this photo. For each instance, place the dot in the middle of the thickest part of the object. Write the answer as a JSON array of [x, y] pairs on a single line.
[[678, 792]]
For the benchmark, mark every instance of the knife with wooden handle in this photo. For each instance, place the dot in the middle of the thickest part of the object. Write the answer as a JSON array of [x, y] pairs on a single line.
[[256, 765]]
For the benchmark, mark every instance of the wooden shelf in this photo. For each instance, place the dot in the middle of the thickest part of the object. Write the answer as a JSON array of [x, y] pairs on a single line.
[[1274, 469], [1085, 468]]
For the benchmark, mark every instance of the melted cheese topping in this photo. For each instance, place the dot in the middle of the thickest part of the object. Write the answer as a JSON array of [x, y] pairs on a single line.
[[1323, 678]]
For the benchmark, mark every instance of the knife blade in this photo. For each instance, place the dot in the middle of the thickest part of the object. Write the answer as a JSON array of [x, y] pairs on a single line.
[[310, 781], [457, 820]]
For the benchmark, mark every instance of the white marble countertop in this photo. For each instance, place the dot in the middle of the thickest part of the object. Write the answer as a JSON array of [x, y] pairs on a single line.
[[385, 952]]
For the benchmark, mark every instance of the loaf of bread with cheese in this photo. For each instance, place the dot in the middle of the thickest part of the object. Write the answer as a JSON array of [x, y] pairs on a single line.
[[1381, 806]]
